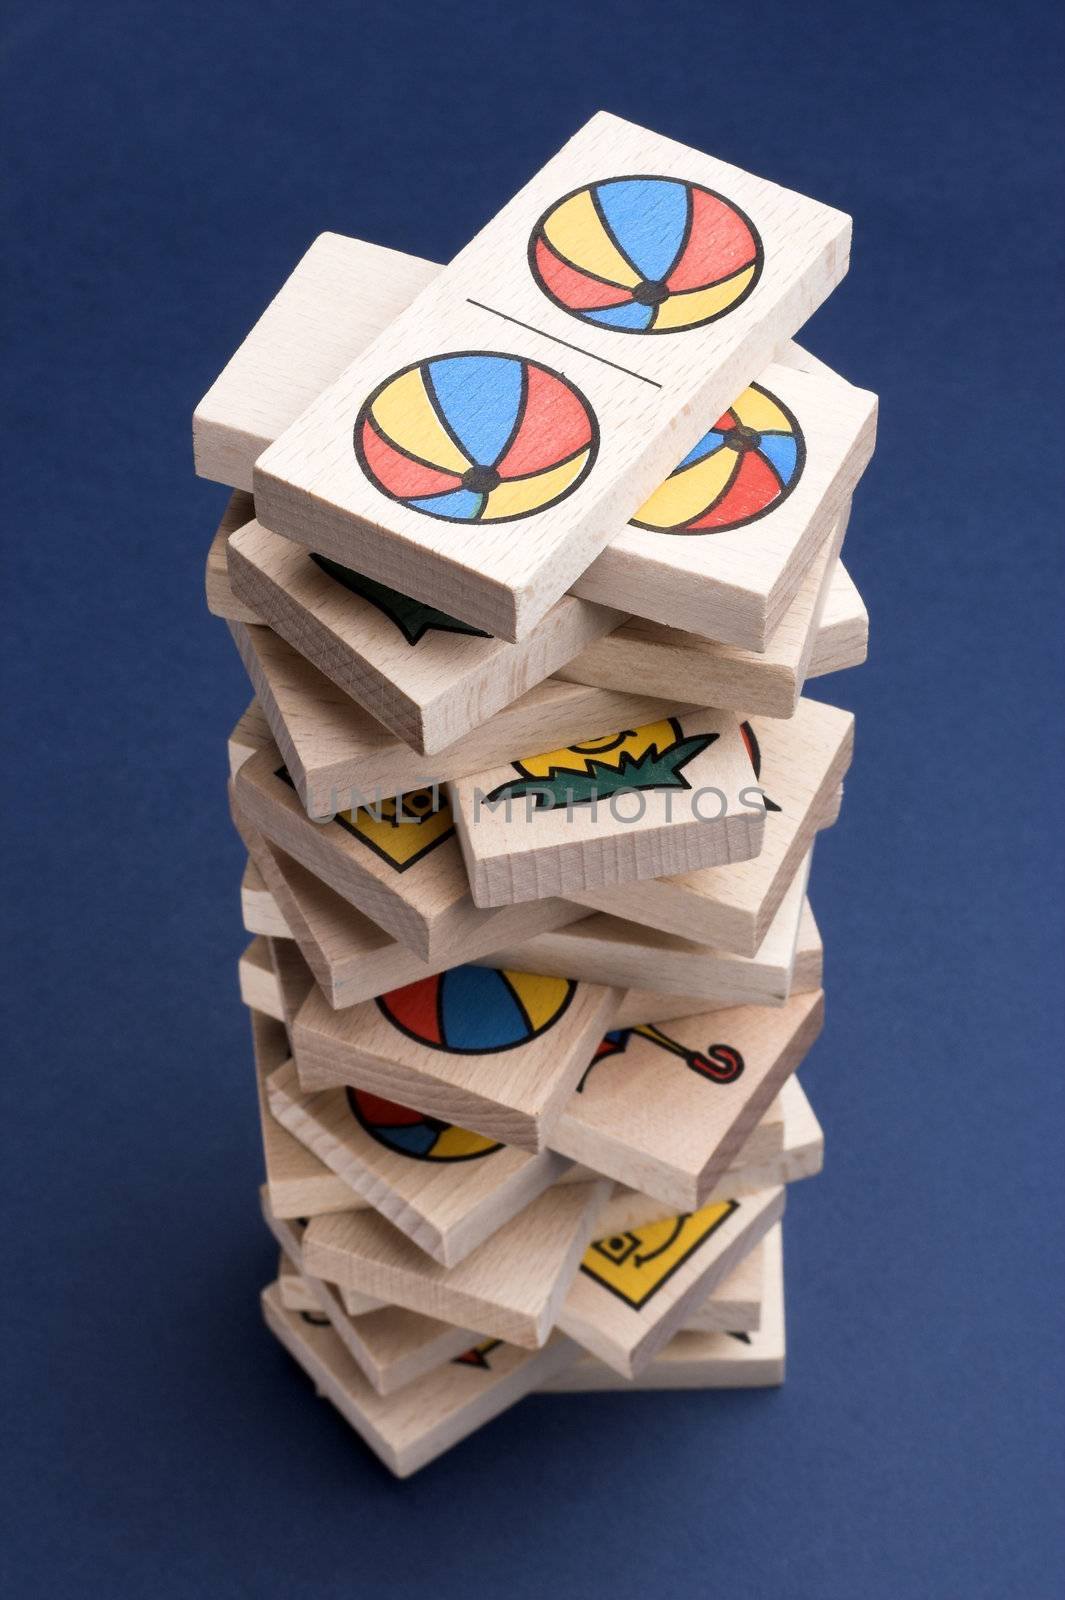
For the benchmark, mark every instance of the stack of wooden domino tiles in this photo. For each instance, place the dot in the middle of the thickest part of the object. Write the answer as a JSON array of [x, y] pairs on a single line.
[[528, 560]]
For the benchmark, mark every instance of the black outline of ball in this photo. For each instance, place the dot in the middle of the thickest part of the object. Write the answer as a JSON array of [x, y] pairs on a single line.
[[474, 522], [373, 1133], [494, 1049], [744, 522], [644, 177]]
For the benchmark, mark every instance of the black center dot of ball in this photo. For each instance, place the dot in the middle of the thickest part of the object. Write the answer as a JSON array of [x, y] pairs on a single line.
[[743, 438], [481, 480], [651, 292]]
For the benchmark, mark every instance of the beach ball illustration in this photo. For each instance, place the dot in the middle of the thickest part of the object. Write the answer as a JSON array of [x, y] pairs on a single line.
[[742, 467], [645, 254], [477, 1010], [476, 437], [412, 1133]]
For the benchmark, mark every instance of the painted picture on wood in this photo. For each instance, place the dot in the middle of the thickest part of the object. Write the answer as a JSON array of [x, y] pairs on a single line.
[[635, 1265], [645, 254], [476, 437], [402, 829], [742, 468], [412, 1133], [478, 1355], [651, 757], [411, 618], [719, 1063], [477, 1010]]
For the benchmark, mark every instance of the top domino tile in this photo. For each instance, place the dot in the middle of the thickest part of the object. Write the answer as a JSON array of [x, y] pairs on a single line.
[[488, 444]]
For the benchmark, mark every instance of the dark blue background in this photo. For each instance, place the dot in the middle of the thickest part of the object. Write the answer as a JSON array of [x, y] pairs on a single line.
[[170, 165]]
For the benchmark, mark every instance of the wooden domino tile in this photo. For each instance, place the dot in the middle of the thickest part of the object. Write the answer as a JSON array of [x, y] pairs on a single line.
[[720, 548], [350, 956], [221, 601], [250, 734], [294, 1290], [289, 1233], [684, 666], [787, 1146], [800, 763], [650, 1005], [259, 909], [409, 1429], [293, 976], [819, 449], [335, 751], [635, 1289], [669, 796], [605, 949], [340, 296], [501, 434], [395, 858], [297, 1183], [447, 1189], [510, 1287], [666, 1111], [693, 1360], [735, 1306], [258, 981], [498, 1052], [428, 677], [392, 1346], [637, 1005], [843, 631]]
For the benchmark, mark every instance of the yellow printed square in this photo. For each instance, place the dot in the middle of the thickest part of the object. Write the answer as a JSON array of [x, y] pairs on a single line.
[[402, 829], [636, 1264]]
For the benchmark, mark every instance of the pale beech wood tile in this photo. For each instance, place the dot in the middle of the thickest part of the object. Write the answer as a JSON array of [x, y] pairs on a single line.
[[637, 1005], [704, 1360], [786, 1146], [294, 1290], [704, 583], [620, 805], [446, 1189], [408, 1429], [336, 753], [294, 978], [250, 735], [313, 320], [649, 1005], [342, 293], [221, 601], [650, 404], [498, 1053], [510, 1287], [398, 862], [259, 909], [635, 1289], [801, 763], [258, 982], [843, 632], [426, 676], [350, 956], [298, 1185], [392, 1346], [289, 1233], [667, 1111], [735, 1306], [688, 666], [606, 949]]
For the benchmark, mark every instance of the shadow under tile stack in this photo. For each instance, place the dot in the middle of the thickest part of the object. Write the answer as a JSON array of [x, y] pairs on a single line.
[[529, 560]]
